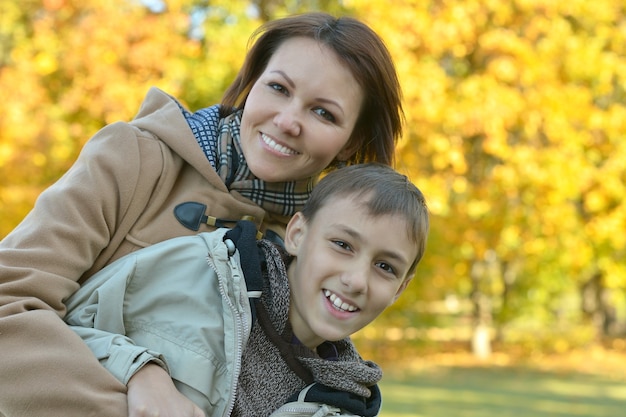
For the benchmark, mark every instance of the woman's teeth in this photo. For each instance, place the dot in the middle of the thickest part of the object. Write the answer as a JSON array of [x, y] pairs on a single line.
[[277, 147]]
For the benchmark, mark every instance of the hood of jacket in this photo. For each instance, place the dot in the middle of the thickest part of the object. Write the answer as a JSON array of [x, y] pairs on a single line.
[[161, 115]]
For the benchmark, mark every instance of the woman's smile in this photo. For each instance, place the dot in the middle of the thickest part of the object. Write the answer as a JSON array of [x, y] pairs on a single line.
[[272, 144]]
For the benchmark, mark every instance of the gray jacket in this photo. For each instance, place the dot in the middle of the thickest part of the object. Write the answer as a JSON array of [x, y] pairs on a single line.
[[139, 300]]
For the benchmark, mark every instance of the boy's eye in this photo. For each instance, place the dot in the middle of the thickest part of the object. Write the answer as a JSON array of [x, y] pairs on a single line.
[[325, 114], [386, 267], [342, 244]]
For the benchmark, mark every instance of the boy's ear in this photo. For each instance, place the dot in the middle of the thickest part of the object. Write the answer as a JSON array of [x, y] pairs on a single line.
[[401, 289], [294, 233]]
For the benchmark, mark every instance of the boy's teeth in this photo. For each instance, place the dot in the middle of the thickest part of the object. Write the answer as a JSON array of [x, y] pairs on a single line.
[[338, 302]]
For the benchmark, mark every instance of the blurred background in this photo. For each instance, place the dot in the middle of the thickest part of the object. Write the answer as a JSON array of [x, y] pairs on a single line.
[[516, 133]]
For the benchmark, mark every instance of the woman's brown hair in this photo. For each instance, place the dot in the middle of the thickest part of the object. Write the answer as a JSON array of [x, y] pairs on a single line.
[[379, 125]]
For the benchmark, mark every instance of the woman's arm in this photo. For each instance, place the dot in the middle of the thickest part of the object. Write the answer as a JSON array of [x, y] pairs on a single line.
[[40, 262]]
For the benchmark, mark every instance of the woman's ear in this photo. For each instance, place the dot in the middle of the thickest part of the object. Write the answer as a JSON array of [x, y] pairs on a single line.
[[348, 150], [294, 233]]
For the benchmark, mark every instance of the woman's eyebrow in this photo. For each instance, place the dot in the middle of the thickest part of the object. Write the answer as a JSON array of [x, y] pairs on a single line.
[[286, 77]]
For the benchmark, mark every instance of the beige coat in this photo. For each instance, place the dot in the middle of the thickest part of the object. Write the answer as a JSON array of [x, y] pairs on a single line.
[[117, 197]]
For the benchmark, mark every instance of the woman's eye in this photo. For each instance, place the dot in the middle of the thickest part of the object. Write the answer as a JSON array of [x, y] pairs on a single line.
[[325, 114], [278, 87]]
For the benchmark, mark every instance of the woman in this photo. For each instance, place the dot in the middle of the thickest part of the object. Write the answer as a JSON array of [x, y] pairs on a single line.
[[314, 92]]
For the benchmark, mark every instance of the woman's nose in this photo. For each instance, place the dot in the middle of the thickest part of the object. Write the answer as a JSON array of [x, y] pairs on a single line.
[[288, 120]]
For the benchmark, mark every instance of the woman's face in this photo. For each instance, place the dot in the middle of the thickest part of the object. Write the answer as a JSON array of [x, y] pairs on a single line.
[[300, 113]]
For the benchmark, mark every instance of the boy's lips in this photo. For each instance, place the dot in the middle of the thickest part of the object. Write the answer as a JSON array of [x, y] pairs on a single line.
[[338, 303], [277, 146]]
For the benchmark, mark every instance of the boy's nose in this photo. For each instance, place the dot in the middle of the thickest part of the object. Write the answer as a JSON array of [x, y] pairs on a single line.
[[355, 280]]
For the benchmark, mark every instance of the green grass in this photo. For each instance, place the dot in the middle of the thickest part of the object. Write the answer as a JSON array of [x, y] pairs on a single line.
[[501, 392]]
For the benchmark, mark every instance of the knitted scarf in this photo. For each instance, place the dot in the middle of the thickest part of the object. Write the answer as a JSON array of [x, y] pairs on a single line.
[[266, 380], [221, 142]]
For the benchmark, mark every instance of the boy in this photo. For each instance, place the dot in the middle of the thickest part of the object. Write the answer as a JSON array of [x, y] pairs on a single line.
[[183, 304]]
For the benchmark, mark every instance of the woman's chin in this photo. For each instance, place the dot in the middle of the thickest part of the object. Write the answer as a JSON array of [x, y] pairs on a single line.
[[276, 171]]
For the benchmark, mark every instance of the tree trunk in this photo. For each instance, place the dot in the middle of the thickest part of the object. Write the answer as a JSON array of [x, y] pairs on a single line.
[[481, 338]]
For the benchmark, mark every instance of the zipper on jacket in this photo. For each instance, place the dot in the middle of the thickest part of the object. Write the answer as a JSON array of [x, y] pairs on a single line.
[[297, 409], [239, 330]]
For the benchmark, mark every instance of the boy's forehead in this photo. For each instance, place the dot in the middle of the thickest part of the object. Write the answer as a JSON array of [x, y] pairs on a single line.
[[352, 207], [356, 208], [356, 204]]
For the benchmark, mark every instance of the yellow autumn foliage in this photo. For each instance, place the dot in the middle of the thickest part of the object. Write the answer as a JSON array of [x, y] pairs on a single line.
[[515, 110]]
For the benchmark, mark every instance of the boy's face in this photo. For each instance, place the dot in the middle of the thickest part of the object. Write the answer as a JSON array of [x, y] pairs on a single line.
[[349, 267]]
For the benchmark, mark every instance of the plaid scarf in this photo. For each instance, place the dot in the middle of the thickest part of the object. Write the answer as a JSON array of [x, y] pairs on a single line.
[[221, 142]]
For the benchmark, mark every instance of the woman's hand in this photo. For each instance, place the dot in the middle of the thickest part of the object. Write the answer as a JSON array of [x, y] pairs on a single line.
[[151, 393]]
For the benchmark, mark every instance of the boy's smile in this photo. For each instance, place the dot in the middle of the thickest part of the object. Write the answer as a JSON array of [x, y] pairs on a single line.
[[338, 303], [349, 267]]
